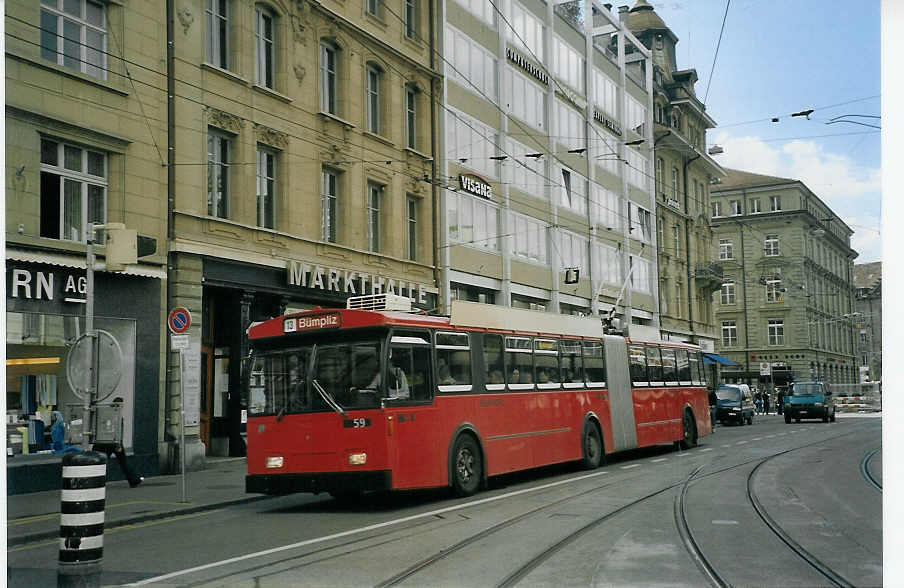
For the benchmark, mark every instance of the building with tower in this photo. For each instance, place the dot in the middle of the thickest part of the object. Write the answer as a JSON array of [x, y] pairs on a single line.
[[684, 171]]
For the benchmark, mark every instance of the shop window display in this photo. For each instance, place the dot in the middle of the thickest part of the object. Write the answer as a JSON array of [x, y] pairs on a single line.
[[37, 347]]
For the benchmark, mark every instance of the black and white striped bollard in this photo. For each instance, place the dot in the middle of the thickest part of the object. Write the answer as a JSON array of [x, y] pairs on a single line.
[[82, 519]]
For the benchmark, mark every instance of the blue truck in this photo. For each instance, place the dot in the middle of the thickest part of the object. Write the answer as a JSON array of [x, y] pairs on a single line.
[[809, 400]]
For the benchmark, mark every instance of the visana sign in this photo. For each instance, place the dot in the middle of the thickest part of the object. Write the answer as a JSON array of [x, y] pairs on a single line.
[[475, 185], [354, 283]]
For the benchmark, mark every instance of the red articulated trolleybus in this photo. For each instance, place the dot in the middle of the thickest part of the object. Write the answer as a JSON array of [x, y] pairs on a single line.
[[372, 397]]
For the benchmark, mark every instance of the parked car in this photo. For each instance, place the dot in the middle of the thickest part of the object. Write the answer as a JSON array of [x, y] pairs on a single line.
[[809, 400], [734, 403]]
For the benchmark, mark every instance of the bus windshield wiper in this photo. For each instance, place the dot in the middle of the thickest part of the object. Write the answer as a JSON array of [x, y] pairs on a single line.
[[331, 402]]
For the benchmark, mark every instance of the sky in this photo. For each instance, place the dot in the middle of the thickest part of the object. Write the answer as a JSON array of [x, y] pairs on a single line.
[[778, 57]]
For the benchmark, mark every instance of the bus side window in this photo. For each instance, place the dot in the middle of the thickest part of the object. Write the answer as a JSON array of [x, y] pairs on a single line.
[[669, 365], [546, 361], [572, 366], [453, 362], [519, 363], [701, 367], [694, 359], [594, 364], [684, 368], [654, 365], [494, 361], [637, 358], [410, 353]]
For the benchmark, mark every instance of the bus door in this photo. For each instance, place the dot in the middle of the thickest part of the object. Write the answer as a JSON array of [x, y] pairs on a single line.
[[414, 428], [621, 402]]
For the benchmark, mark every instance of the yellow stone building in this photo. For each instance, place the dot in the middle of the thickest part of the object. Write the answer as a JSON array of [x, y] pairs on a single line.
[[303, 172]]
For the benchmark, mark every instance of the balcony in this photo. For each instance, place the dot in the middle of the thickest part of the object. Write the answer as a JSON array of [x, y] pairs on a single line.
[[709, 277]]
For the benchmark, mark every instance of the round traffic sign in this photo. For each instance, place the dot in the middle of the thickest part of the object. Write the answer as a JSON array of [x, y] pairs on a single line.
[[179, 320], [108, 363]]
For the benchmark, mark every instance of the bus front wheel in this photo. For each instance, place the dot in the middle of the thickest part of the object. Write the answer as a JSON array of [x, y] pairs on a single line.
[[467, 466]]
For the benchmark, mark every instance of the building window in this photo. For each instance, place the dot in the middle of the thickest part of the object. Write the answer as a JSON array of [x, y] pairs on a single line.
[[217, 174], [678, 287], [74, 35], [329, 187], [770, 246], [328, 81], [642, 223], [735, 206], [755, 206], [775, 203], [266, 188], [218, 33], [660, 180], [776, 332], [373, 6], [412, 228], [472, 221], [676, 233], [529, 238], [717, 209], [73, 190], [728, 293], [774, 291], [263, 46], [411, 19], [374, 203], [726, 249], [729, 333], [574, 191], [472, 293], [411, 117], [675, 183], [373, 100]]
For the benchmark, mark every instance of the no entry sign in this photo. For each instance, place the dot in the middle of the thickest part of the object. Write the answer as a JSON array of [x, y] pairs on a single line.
[[179, 320]]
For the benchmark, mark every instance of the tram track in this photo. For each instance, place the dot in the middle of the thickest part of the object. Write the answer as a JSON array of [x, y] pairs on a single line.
[[351, 546], [867, 473], [703, 562]]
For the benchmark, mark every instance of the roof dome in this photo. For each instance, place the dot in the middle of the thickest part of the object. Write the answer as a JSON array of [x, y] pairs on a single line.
[[642, 17]]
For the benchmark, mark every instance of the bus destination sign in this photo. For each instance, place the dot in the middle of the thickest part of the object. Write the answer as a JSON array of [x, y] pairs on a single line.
[[319, 322]]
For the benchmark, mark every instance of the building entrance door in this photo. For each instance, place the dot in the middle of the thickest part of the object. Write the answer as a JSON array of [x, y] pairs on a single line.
[[206, 394]]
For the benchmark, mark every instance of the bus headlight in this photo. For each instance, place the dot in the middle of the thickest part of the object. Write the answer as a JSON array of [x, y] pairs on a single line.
[[818, 404], [357, 458], [274, 462]]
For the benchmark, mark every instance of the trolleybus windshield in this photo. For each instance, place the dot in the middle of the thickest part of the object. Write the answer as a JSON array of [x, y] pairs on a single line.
[[346, 372]]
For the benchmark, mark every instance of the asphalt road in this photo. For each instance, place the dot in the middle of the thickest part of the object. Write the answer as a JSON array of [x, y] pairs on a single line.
[[771, 504]]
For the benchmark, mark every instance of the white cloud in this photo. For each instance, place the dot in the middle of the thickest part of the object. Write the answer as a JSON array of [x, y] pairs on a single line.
[[829, 175]]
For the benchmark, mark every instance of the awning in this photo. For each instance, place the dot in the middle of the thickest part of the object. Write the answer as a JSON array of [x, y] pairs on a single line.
[[716, 358], [61, 260]]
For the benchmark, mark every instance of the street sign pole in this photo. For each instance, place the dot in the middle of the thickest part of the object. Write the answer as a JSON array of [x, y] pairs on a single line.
[[182, 419], [178, 321], [89, 331]]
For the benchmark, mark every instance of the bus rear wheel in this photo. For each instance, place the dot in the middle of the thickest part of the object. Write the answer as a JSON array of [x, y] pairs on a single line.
[[467, 466], [690, 430], [591, 447]]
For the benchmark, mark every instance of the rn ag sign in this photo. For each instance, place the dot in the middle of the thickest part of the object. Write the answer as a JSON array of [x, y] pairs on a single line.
[[179, 320]]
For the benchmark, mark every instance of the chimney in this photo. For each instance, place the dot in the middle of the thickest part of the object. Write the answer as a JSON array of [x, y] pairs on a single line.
[[608, 7], [623, 13]]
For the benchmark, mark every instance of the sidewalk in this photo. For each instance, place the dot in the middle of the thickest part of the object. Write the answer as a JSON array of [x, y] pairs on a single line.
[[35, 517]]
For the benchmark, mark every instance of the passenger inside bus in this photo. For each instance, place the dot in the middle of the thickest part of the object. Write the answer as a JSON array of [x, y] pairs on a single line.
[[443, 375], [495, 377], [542, 376]]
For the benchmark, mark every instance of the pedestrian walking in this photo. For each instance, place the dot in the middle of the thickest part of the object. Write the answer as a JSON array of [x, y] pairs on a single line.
[[116, 448], [758, 401], [766, 403]]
